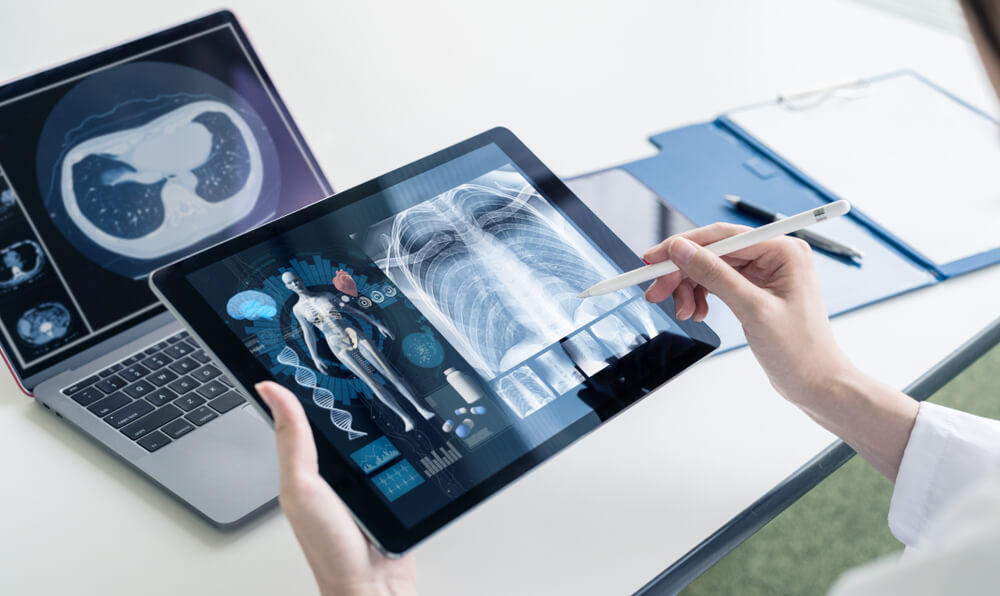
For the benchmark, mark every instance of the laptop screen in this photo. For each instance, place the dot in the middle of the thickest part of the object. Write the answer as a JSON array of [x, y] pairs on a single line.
[[121, 162]]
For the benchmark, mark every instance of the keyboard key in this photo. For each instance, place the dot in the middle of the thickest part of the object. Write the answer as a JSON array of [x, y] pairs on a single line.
[[133, 411], [151, 422], [178, 428], [226, 381], [200, 356], [212, 389], [156, 361], [183, 385], [130, 360], [206, 373], [178, 349], [183, 334], [139, 389], [154, 441], [174, 339], [134, 372], [111, 370], [110, 384], [150, 350], [109, 404], [226, 402], [80, 385], [161, 345], [161, 396], [161, 378], [88, 396], [184, 365], [201, 415], [189, 401]]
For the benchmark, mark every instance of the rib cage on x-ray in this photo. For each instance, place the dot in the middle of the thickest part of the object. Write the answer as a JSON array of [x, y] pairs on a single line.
[[498, 273]]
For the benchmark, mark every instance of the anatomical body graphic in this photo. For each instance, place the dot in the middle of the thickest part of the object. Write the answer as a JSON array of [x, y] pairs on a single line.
[[322, 311]]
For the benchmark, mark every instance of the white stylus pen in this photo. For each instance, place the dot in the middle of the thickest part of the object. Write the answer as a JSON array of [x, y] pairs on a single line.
[[723, 247]]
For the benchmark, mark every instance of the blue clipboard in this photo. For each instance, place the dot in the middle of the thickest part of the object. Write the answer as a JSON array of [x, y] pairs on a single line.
[[698, 164]]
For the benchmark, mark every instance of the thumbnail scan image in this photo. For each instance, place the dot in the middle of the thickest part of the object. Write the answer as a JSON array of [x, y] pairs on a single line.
[[44, 323], [146, 159], [19, 263]]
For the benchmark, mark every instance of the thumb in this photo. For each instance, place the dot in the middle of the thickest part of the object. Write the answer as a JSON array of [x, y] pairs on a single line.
[[715, 275], [296, 449]]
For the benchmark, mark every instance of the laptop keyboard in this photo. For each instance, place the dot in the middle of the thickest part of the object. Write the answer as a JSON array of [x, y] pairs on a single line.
[[160, 394]]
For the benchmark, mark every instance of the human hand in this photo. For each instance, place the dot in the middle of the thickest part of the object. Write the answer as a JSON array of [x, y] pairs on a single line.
[[388, 334], [772, 289], [321, 366], [342, 559]]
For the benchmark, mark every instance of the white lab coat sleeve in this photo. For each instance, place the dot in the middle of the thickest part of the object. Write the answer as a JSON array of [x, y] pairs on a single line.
[[960, 553], [948, 452]]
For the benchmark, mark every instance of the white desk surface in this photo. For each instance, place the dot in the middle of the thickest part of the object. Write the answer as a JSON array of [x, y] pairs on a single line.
[[376, 84]]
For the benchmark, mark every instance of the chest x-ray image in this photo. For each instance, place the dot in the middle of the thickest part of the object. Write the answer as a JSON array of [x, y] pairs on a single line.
[[322, 311], [495, 267], [153, 158]]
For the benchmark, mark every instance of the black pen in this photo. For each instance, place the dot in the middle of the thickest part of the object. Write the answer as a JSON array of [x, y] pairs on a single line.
[[815, 240]]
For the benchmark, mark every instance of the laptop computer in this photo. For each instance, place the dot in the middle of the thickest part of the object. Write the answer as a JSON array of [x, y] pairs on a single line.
[[111, 166]]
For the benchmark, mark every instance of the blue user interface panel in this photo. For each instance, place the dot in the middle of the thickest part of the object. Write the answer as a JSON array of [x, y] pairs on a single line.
[[119, 163], [432, 330]]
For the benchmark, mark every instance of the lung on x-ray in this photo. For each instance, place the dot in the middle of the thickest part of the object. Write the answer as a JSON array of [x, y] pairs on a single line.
[[496, 268], [176, 158]]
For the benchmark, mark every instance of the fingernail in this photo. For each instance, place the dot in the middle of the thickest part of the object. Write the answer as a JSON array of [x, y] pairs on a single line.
[[681, 251], [258, 387], [646, 262]]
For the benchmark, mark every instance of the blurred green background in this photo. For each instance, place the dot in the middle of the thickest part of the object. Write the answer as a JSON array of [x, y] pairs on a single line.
[[842, 522]]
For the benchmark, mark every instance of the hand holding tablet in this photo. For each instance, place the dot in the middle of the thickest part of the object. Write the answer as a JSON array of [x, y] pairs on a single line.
[[428, 323]]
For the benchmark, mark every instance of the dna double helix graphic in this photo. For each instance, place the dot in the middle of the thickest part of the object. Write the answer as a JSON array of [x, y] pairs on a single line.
[[323, 398]]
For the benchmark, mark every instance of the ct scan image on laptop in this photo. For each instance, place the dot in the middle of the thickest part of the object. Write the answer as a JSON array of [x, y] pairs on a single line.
[[121, 162]]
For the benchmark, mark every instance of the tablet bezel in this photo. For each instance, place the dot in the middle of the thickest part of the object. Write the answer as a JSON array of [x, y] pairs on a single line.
[[376, 519]]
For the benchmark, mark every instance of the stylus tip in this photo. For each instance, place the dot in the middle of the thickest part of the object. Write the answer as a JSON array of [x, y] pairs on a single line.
[[584, 294]]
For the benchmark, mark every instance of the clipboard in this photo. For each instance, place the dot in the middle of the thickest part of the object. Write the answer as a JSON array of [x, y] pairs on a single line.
[[754, 152]]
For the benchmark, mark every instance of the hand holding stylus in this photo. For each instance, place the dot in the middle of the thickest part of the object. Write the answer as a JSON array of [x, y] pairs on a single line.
[[724, 246], [772, 289]]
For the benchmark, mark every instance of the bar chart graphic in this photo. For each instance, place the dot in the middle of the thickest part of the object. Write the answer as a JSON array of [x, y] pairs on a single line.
[[439, 459]]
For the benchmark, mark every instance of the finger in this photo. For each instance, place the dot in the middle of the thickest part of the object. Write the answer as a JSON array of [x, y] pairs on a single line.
[[703, 235], [715, 275], [684, 299], [296, 449], [663, 286], [713, 233], [701, 303]]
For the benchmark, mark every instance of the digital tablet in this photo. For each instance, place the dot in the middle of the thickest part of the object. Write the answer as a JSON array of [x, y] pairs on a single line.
[[429, 324]]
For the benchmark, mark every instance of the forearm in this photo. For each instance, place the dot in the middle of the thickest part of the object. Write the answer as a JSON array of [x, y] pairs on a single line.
[[383, 587], [870, 416]]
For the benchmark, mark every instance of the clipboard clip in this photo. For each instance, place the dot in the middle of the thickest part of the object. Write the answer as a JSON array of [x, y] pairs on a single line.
[[813, 98]]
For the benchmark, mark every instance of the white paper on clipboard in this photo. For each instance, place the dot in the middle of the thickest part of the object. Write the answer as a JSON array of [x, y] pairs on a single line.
[[923, 165]]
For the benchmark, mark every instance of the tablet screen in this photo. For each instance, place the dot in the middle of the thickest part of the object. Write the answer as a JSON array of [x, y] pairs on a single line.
[[432, 331]]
